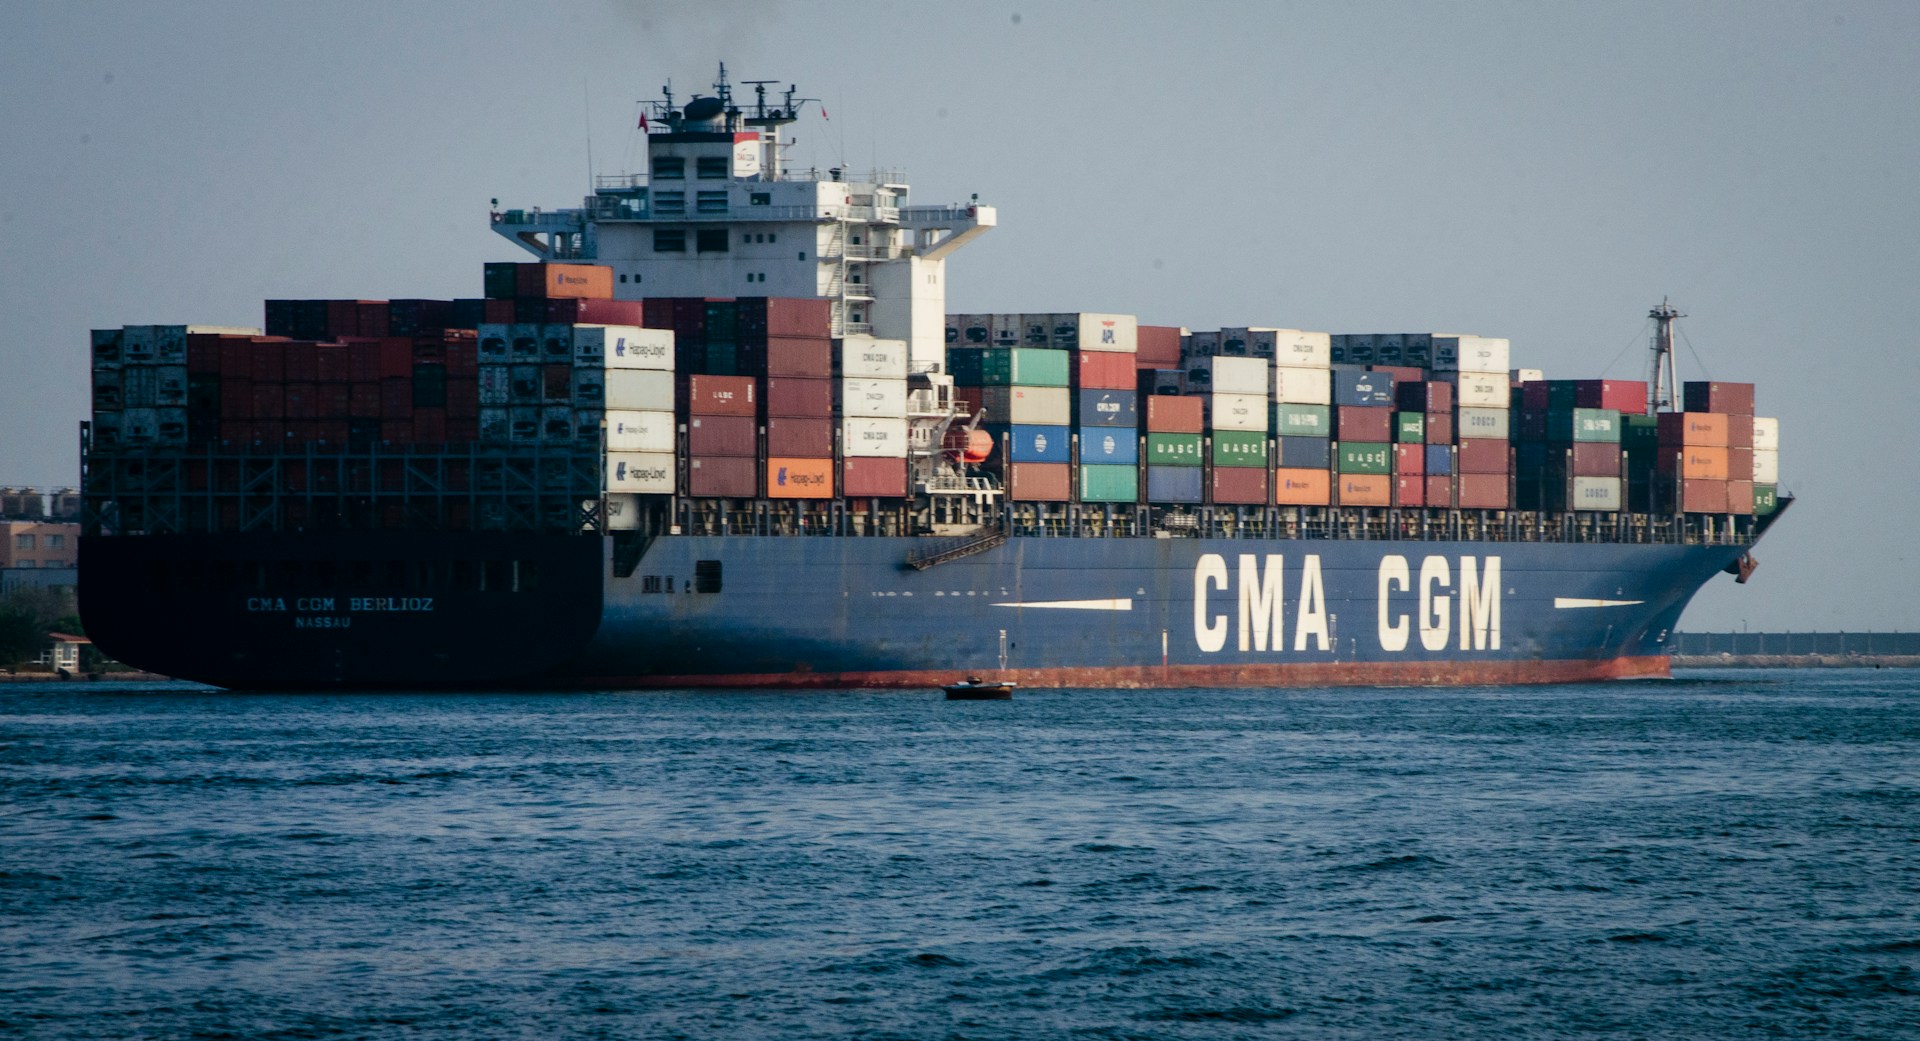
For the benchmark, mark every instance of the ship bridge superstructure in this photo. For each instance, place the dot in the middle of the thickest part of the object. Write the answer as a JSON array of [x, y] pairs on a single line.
[[718, 213]]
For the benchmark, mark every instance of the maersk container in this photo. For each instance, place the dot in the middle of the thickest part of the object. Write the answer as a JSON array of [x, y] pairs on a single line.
[[1048, 406], [1241, 376], [651, 390], [1766, 434], [865, 356], [635, 431], [873, 437], [1176, 483], [1302, 420], [1482, 354], [1039, 443], [1101, 483], [1109, 445], [1481, 390], [1361, 387], [1306, 453], [1584, 424], [1361, 457], [1302, 386], [1483, 423], [623, 347], [1247, 412], [867, 397], [1025, 367], [1239, 448], [1109, 408], [1165, 450], [644, 473], [1766, 466]]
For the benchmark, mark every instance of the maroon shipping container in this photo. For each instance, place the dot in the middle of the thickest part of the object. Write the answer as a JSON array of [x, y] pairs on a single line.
[[785, 316], [330, 363], [1418, 395], [1480, 456], [1628, 397], [1105, 370], [1363, 423], [396, 399], [1040, 482], [1588, 458], [595, 312], [396, 357], [335, 400], [1400, 372], [302, 401], [1439, 491], [1477, 491], [236, 399], [398, 431], [462, 430], [343, 318], [799, 396], [1240, 484], [430, 425], [1733, 399], [722, 436], [1439, 428], [268, 360], [1534, 395], [1739, 431], [1167, 414], [799, 437], [722, 396], [498, 312], [269, 401], [363, 360], [302, 361], [203, 353], [463, 359], [1740, 465], [1703, 496], [1159, 348], [1410, 459], [1740, 497], [883, 478], [236, 358], [657, 312], [723, 477], [363, 400], [371, 317], [788, 356], [1410, 489]]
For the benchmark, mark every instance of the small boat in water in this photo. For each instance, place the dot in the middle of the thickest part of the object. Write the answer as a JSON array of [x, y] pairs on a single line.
[[973, 688]]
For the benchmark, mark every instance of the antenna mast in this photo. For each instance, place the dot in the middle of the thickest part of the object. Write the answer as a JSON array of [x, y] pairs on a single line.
[[1662, 385]]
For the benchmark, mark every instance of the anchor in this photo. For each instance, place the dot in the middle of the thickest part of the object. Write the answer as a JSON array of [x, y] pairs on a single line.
[[1743, 568]]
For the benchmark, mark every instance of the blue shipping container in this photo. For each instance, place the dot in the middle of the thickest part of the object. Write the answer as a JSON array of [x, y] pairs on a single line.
[[1109, 408], [1306, 453], [1033, 443], [1109, 445], [1174, 483], [1439, 460], [1359, 387]]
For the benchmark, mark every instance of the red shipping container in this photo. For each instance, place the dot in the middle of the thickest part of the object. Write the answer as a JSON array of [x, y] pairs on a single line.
[[334, 400], [1400, 372], [236, 398], [723, 478], [1481, 491], [1167, 414], [1740, 465], [1159, 348], [724, 436], [330, 363], [1535, 395], [396, 357], [363, 360], [1704, 496], [1740, 498], [463, 398], [1439, 428], [1628, 397], [363, 400], [793, 356], [429, 349], [396, 399], [1105, 370], [343, 318], [372, 318], [800, 437], [1480, 456], [498, 312], [786, 316], [302, 364], [1410, 489], [268, 360], [1439, 491], [269, 401], [302, 402], [1239, 484], [1733, 399], [462, 430], [547, 281], [1363, 423], [595, 312], [463, 359], [1422, 395], [1739, 431], [1702, 429], [203, 353], [658, 312], [236, 358], [1592, 458], [398, 431], [1039, 482], [1410, 459], [430, 426], [722, 396], [878, 478], [799, 396]]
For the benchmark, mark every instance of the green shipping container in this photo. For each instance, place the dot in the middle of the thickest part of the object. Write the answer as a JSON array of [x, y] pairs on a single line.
[[1410, 428], [1302, 420], [1239, 448], [1600, 425], [1766, 499], [1562, 394], [1105, 482], [1174, 450], [1024, 367], [1365, 457]]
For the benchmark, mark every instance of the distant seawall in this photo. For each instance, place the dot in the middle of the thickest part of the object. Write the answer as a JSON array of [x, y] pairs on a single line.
[[1796, 650]]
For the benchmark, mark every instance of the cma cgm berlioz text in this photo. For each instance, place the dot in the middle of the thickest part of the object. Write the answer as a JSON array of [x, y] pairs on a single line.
[[608, 472]]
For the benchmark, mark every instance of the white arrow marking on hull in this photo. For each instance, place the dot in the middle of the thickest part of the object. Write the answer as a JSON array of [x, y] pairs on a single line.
[[1076, 605], [1574, 601]]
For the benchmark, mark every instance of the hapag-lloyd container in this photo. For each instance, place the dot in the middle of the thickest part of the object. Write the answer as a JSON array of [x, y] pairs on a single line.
[[1246, 412], [1302, 386], [637, 431], [862, 477], [622, 347], [1302, 487], [868, 358], [873, 437], [872, 397], [1108, 445], [644, 473], [799, 478], [644, 390]]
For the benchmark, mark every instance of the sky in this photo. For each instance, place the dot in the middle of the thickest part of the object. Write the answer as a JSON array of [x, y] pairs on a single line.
[[1542, 172]]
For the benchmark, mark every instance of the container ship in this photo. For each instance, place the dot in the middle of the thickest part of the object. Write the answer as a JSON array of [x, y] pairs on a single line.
[[719, 430]]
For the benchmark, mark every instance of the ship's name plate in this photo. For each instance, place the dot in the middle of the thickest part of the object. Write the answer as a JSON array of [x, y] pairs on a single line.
[[335, 604]]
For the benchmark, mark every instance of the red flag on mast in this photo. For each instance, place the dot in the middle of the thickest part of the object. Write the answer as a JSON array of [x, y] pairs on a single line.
[[643, 119], [823, 112]]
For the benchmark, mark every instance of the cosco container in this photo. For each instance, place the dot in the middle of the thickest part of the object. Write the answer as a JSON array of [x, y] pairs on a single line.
[[1302, 487], [1240, 448], [1241, 411], [1176, 483], [1174, 450], [636, 431], [644, 473], [1483, 423], [1301, 386], [1106, 445], [868, 397], [1360, 457], [1109, 483], [1595, 493], [873, 437], [1036, 443]]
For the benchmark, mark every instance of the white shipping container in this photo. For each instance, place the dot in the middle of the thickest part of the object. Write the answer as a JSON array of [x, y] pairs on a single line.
[[878, 359], [1481, 390], [1047, 406], [623, 347], [623, 511], [867, 437], [1241, 376], [1596, 493], [646, 390], [1766, 434], [1116, 333], [865, 397], [1766, 466], [1492, 423], [1007, 329], [1527, 375], [1298, 348], [642, 473], [1239, 412], [1472, 354], [630, 430], [1295, 385]]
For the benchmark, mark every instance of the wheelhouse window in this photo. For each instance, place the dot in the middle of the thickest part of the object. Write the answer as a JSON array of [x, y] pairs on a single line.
[[669, 240], [710, 167], [669, 168], [713, 241]]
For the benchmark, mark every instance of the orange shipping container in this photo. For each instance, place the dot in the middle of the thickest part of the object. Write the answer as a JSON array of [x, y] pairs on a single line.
[[1695, 462], [576, 281], [799, 478], [1366, 490], [1706, 429], [1167, 414], [1293, 486]]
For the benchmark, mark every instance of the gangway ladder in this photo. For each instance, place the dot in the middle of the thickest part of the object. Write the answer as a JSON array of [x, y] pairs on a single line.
[[976, 544]]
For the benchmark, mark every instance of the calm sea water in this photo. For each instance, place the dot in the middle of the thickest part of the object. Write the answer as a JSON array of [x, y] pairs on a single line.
[[1731, 854]]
